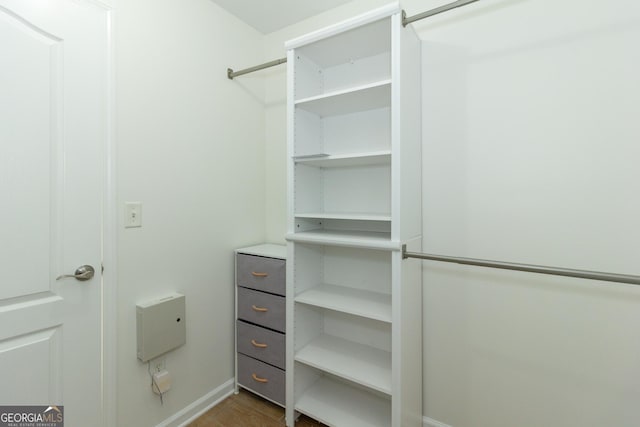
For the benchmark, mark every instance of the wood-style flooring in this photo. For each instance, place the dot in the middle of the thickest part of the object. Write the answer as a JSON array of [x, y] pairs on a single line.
[[248, 410]]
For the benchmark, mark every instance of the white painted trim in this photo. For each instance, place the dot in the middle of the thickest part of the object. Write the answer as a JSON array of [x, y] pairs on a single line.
[[108, 327], [429, 422], [357, 21], [289, 306], [200, 406], [109, 236]]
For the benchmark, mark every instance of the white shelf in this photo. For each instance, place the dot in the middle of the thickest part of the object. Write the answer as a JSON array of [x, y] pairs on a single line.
[[347, 216], [337, 404], [355, 239], [360, 98], [361, 364], [347, 160], [372, 305]]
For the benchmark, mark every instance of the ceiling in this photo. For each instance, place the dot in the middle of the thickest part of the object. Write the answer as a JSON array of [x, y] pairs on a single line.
[[267, 16]]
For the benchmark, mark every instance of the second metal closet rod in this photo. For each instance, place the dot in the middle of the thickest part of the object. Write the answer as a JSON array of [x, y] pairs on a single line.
[[405, 21], [540, 269]]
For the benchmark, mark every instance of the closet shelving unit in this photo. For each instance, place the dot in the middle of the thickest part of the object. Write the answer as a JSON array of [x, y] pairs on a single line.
[[354, 338]]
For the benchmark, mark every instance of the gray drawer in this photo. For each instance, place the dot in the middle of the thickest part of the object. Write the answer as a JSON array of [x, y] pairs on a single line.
[[261, 378], [261, 308], [261, 344], [263, 274]]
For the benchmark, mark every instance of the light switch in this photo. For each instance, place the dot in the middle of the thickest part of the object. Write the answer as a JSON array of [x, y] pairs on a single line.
[[132, 214]]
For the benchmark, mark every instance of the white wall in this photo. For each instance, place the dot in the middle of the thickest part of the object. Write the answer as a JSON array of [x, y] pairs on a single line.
[[190, 147], [530, 155]]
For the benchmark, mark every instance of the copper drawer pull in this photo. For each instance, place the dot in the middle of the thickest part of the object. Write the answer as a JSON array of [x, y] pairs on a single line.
[[257, 344], [261, 309], [260, 380], [259, 274]]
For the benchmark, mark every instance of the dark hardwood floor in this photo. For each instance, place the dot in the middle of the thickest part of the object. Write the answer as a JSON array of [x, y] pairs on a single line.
[[248, 410]]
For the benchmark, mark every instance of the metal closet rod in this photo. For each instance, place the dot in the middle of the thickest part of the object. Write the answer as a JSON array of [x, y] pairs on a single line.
[[231, 74], [555, 271], [405, 21], [449, 6]]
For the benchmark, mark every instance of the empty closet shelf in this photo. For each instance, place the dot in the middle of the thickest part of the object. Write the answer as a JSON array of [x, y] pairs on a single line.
[[336, 403], [361, 364], [359, 98], [359, 239], [382, 157], [345, 216], [372, 305]]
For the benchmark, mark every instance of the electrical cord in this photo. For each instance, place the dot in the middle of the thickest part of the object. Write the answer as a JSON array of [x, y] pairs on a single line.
[[155, 384]]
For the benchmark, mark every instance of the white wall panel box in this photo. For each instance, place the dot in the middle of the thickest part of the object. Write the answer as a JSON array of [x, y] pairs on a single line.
[[161, 326]]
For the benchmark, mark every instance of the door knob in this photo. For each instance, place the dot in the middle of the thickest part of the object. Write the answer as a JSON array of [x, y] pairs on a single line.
[[84, 272]]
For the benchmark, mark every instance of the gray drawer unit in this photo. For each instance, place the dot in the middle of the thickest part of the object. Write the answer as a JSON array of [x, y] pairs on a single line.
[[261, 308], [262, 378], [261, 273], [260, 320], [261, 343]]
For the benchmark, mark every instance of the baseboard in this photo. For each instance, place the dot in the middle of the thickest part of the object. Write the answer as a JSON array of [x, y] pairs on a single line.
[[200, 406], [209, 400], [428, 422]]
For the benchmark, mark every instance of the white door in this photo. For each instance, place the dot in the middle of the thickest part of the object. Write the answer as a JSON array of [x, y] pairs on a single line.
[[53, 130]]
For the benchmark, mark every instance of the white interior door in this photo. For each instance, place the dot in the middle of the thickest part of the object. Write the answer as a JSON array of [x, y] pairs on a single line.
[[53, 127]]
